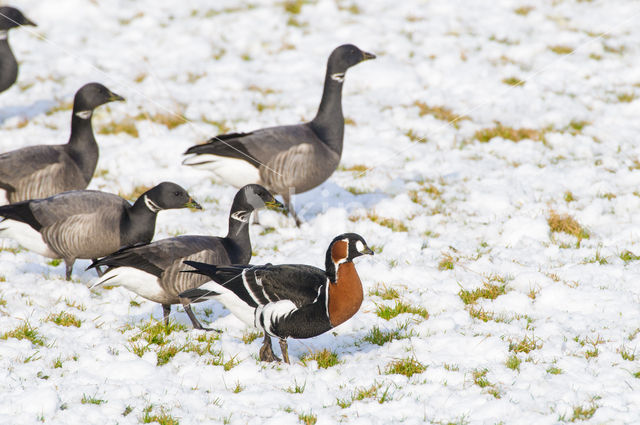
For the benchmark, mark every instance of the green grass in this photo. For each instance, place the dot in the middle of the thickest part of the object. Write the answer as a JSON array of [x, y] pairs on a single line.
[[365, 393], [308, 418], [525, 345], [55, 262], [391, 223], [91, 400], [509, 133], [250, 336], [581, 413], [388, 313], [296, 388], [440, 113], [598, 258], [384, 292], [488, 291], [447, 262], [324, 358], [564, 223], [126, 125], [513, 362], [554, 370], [25, 331], [628, 256], [380, 337], [513, 81], [64, 319], [561, 50], [408, 367], [162, 418]]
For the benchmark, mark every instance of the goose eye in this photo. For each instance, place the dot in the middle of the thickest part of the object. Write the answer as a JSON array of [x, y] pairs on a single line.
[[176, 193]]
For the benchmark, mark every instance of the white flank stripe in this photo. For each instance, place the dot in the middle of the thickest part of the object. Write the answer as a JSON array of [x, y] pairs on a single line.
[[142, 283], [26, 236], [273, 312], [234, 171]]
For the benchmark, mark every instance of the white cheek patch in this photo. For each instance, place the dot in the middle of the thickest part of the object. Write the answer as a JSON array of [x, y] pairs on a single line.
[[242, 216], [151, 205], [338, 76], [359, 246], [84, 114]]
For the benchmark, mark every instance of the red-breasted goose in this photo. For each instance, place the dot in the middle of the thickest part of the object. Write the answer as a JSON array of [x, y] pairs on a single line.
[[44, 170], [10, 17], [286, 159], [153, 270], [289, 300], [88, 223]]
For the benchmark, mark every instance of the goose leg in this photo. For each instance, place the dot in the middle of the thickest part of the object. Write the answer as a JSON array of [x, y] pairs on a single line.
[[166, 311], [99, 271], [68, 267], [266, 351], [289, 207], [284, 349], [195, 322]]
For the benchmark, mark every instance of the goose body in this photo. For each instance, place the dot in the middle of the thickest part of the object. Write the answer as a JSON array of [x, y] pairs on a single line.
[[44, 170], [87, 223], [286, 159], [155, 270], [289, 300], [10, 17]]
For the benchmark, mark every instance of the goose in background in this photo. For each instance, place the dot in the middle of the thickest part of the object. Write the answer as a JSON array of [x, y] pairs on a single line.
[[10, 17], [288, 300], [154, 270], [41, 171], [286, 159], [88, 224]]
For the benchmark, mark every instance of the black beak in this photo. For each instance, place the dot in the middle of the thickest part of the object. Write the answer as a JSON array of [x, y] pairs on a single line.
[[28, 22], [275, 205], [114, 97], [191, 204], [366, 56], [367, 251]]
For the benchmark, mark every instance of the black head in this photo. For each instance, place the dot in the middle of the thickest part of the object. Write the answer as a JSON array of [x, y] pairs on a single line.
[[166, 196], [92, 95], [252, 197], [344, 57], [10, 17], [342, 249]]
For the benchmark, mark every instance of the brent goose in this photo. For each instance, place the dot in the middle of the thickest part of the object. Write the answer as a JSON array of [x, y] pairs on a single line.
[[88, 223], [154, 271], [289, 300], [286, 159], [10, 17], [45, 170]]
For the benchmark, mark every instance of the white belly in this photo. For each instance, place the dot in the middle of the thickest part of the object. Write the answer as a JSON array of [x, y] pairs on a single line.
[[26, 236], [235, 172], [142, 283]]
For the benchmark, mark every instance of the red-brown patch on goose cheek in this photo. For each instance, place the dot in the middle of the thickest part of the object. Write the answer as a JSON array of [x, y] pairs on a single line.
[[339, 251]]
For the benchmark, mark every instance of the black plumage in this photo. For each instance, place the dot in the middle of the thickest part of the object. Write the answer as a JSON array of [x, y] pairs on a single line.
[[289, 300]]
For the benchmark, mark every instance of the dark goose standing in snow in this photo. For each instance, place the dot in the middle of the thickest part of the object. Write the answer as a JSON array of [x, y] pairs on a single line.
[[286, 159], [88, 223], [154, 271], [289, 300], [45, 170], [10, 17]]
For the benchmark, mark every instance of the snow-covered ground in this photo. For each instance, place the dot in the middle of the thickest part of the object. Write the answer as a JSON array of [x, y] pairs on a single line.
[[554, 337]]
